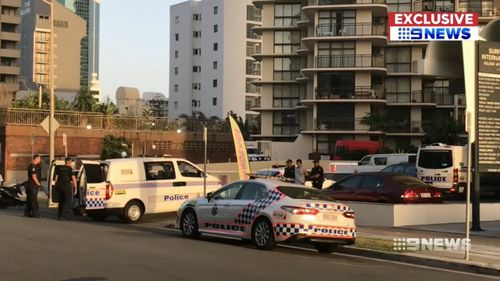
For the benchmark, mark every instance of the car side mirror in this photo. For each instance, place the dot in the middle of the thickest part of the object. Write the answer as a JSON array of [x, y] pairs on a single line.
[[209, 196]]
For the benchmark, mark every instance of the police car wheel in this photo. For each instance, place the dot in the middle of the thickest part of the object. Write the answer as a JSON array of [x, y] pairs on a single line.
[[189, 224], [263, 235], [132, 213], [326, 248]]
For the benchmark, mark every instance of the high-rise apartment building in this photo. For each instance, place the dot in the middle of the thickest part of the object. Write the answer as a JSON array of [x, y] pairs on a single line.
[[69, 29], [89, 10], [10, 53], [326, 64], [211, 64]]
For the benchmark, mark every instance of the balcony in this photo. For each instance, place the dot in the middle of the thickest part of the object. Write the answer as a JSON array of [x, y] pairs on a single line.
[[11, 3], [410, 98], [329, 125], [12, 70], [10, 53], [370, 63], [407, 128], [348, 94], [350, 31], [378, 7], [10, 36], [482, 8]]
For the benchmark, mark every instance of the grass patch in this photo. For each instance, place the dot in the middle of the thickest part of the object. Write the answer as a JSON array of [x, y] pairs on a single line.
[[376, 244]]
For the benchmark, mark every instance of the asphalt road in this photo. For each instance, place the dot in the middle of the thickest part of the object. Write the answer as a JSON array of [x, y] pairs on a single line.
[[81, 250]]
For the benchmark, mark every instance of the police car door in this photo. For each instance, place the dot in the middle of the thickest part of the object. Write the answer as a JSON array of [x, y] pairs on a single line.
[[51, 183], [238, 210], [91, 185], [215, 215], [162, 189]]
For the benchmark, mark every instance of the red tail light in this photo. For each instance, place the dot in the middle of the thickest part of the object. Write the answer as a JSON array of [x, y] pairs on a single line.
[[455, 175], [109, 191], [300, 210], [349, 215], [437, 194], [409, 194]]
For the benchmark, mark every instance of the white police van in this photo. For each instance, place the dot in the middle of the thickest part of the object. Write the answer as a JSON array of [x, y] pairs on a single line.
[[130, 188], [443, 166]]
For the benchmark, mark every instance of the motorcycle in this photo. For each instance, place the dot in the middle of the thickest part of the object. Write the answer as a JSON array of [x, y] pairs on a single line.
[[10, 195]]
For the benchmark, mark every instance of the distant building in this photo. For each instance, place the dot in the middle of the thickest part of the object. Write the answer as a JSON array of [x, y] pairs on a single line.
[[211, 68], [9, 52], [128, 101], [35, 51], [157, 102]]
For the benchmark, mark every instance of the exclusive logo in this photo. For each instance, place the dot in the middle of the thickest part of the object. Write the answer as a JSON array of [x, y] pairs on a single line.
[[433, 26]]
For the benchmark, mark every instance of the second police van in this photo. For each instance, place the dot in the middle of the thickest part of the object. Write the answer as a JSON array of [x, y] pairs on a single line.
[[130, 188]]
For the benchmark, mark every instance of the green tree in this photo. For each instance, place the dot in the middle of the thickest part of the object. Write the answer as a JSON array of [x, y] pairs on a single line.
[[31, 102], [109, 110], [444, 130], [85, 101], [379, 120], [114, 146], [244, 127]]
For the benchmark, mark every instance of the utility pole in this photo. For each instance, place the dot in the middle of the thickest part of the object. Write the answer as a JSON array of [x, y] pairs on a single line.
[[51, 82]]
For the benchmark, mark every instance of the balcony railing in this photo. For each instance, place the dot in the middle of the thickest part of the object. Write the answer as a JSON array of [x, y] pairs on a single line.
[[349, 93], [348, 2], [409, 97], [479, 8], [350, 29], [346, 61], [337, 124]]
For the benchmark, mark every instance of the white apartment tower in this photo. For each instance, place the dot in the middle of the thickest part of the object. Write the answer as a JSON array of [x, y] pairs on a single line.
[[211, 64]]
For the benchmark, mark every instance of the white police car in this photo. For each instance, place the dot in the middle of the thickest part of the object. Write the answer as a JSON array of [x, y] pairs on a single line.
[[268, 212]]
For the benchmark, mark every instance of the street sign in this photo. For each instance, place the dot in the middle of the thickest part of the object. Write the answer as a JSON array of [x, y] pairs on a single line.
[[488, 106], [45, 125]]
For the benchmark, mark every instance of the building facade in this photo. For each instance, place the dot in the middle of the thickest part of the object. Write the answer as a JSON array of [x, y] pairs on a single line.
[[211, 64], [327, 64], [69, 29], [10, 53], [157, 103]]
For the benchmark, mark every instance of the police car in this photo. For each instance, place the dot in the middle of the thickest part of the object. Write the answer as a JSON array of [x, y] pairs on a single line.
[[130, 188], [267, 212]]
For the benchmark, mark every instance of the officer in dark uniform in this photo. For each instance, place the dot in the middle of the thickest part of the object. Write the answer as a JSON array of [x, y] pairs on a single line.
[[34, 176], [65, 185], [317, 175], [289, 172]]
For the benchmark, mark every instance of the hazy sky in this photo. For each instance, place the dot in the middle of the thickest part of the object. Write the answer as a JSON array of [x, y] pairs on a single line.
[[134, 45]]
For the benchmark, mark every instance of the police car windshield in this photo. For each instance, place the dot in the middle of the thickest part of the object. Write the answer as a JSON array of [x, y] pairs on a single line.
[[304, 193], [435, 159]]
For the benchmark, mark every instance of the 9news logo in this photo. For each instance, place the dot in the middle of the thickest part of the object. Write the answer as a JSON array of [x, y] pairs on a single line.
[[433, 26]]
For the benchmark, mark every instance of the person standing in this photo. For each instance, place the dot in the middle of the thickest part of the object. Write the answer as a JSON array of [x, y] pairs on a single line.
[[289, 173], [317, 175], [32, 187], [300, 173], [66, 186]]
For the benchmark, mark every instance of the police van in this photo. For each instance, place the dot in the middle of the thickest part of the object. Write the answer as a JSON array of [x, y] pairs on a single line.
[[130, 188], [443, 166]]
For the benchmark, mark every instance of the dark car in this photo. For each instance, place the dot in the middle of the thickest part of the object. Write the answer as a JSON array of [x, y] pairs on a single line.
[[384, 188], [408, 169]]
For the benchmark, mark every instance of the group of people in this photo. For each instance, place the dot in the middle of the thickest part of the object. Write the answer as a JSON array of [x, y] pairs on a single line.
[[298, 174], [65, 188]]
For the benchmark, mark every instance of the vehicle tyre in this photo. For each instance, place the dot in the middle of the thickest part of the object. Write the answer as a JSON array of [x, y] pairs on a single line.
[[133, 211], [326, 248], [189, 224], [263, 234]]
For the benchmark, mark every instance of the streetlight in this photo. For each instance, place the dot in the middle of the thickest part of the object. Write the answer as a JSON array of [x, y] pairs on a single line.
[[89, 127], [179, 131]]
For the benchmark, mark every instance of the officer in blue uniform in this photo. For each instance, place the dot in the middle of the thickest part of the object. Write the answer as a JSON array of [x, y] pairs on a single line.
[[32, 187]]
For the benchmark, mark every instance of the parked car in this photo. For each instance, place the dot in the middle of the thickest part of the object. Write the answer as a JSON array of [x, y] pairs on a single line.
[[267, 212], [408, 169], [384, 188], [256, 155]]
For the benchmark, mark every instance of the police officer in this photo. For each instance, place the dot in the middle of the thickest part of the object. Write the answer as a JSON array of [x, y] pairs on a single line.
[[317, 175], [65, 185], [34, 176]]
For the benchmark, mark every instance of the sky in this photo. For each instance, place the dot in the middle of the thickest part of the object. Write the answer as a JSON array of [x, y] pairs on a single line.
[[134, 48]]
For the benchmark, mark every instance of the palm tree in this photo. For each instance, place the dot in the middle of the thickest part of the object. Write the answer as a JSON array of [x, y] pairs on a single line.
[[109, 110], [85, 101], [443, 130], [380, 120]]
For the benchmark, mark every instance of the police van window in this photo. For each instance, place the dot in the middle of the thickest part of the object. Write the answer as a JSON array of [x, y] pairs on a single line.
[[230, 192], [188, 170], [435, 159], [380, 161], [94, 173], [253, 191], [365, 160], [159, 171]]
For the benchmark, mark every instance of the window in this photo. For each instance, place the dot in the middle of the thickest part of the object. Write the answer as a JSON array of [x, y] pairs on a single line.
[[176, 20], [176, 105], [398, 60], [94, 173], [365, 160], [197, 52], [253, 14], [230, 192], [285, 123], [176, 71], [337, 23], [197, 69], [286, 96], [196, 86], [397, 90], [189, 171], [197, 34], [286, 14], [435, 159], [380, 161], [216, 46], [286, 42], [177, 37], [286, 69], [216, 28], [176, 88], [338, 54], [215, 83], [399, 5], [372, 182], [216, 10], [176, 54], [214, 101], [197, 17], [253, 191], [159, 171], [215, 65]]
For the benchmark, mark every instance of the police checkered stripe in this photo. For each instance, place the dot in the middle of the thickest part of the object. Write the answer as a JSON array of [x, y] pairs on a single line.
[[289, 229], [247, 215], [95, 202], [329, 207], [160, 184]]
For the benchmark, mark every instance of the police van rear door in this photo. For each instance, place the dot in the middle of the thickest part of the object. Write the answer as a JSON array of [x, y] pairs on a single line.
[[435, 167], [51, 182], [92, 185]]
